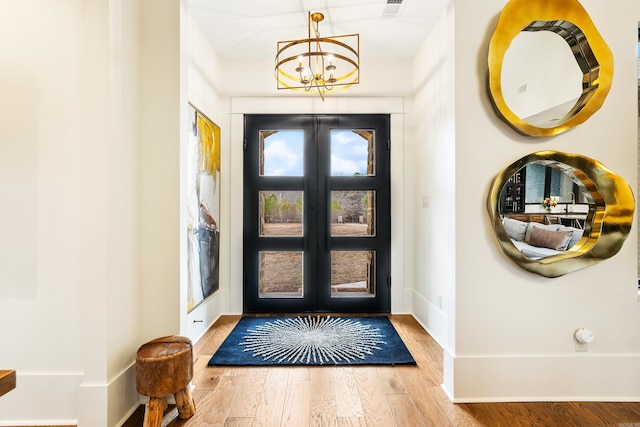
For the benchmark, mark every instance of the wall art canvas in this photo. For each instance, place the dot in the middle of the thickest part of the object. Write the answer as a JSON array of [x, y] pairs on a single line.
[[203, 208]]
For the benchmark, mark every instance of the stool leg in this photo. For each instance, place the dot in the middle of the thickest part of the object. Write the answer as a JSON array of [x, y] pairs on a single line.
[[154, 410], [184, 402]]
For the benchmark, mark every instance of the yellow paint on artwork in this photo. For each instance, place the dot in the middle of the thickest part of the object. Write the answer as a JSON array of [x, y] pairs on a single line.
[[209, 156]]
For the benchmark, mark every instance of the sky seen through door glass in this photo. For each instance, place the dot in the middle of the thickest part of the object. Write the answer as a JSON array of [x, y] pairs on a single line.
[[283, 153]]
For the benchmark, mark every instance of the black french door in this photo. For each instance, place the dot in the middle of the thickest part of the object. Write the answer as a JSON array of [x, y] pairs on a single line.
[[317, 228]]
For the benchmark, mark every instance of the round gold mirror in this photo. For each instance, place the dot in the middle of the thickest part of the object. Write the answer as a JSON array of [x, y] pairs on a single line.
[[549, 68], [580, 212]]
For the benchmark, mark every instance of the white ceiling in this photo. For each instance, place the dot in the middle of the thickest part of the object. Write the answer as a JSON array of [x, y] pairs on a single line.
[[250, 29]]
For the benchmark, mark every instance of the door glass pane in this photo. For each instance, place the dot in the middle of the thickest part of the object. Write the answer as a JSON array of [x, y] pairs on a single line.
[[280, 274], [353, 213], [281, 152], [352, 152], [280, 213], [353, 274]]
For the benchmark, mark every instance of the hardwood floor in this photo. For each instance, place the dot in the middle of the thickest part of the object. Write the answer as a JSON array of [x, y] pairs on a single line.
[[402, 396]]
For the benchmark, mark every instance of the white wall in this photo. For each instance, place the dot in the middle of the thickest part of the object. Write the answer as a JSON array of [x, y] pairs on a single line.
[[513, 329], [68, 290], [111, 301], [108, 163], [431, 165], [92, 94], [159, 162], [42, 221], [201, 86]]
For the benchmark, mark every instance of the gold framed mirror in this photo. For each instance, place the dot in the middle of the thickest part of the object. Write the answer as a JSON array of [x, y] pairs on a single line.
[[551, 248], [535, 100]]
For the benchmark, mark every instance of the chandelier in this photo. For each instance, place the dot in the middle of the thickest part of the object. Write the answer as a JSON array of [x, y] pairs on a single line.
[[318, 63]]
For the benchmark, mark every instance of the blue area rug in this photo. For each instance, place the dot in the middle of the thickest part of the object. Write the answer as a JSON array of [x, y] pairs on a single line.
[[312, 340]]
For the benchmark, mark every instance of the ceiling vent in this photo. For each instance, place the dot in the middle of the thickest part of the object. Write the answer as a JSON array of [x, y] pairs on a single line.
[[392, 8]]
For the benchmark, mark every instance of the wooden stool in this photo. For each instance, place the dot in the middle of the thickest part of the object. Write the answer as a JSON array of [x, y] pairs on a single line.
[[164, 366]]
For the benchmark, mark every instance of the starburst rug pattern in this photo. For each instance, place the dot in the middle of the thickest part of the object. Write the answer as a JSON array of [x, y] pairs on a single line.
[[313, 340]]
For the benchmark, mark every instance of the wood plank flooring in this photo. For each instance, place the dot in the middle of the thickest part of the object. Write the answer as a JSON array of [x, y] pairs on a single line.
[[362, 396]]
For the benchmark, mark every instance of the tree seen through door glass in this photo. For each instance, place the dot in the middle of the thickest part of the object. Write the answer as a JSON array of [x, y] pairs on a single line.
[[352, 152], [353, 213], [280, 213], [281, 152]]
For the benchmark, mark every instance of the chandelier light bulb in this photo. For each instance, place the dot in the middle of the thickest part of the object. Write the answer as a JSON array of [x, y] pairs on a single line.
[[305, 75], [331, 68]]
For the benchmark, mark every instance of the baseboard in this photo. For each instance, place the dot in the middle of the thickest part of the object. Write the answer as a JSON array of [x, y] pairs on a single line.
[[200, 319], [431, 318], [535, 378], [123, 396], [45, 399], [108, 404]]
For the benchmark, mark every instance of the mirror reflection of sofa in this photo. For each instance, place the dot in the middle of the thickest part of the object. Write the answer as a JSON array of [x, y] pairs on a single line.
[[535, 240]]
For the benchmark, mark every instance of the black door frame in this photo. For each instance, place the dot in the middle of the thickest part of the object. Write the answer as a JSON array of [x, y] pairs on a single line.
[[317, 243]]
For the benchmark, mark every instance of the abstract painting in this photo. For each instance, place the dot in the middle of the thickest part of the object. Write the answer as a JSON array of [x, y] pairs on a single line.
[[203, 208]]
